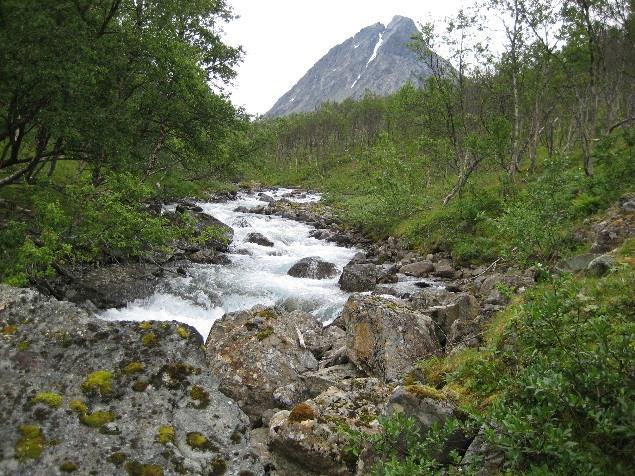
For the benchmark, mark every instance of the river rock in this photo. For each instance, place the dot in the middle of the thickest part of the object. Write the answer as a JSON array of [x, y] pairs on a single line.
[[218, 235], [313, 268], [444, 269], [253, 353], [108, 286], [108, 398], [385, 337], [359, 277], [259, 239], [418, 269]]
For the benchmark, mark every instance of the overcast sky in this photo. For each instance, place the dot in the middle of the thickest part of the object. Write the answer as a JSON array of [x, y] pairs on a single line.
[[282, 39]]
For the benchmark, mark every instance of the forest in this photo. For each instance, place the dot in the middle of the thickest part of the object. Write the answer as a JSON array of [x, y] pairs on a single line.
[[506, 155]]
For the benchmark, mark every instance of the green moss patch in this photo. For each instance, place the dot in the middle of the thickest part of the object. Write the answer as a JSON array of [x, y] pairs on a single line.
[[182, 332], [97, 419], [31, 442], [150, 339], [78, 406], [134, 468], [99, 382], [166, 434], [199, 394], [198, 441], [68, 467], [52, 399], [263, 334], [133, 368]]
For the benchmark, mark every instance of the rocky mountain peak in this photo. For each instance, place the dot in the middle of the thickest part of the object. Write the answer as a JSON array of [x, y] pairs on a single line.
[[376, 59]]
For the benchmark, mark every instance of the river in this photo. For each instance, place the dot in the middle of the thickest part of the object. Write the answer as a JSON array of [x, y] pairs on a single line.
[[257, 274]]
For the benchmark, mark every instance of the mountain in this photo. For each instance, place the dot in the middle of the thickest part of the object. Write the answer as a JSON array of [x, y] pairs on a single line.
[[376, 59]]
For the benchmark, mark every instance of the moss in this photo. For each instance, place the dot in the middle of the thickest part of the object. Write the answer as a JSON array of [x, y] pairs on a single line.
[[52, 399], [117, 458], [9, 330], [97, 419], [140, 386], [78, 406], [198, 441], [166, 434], [199, 394], [31, 442], [263, 334], [182, 332], [267, 313], [22, 346], [68, 467], [145, 325], [302, 412], [133, 368], [219, 467], [134, 468], [180, 371], [99, 381], [150, 339], [425, 391]]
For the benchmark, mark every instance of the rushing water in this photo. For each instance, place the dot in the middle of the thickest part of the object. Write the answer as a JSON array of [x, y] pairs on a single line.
[[256, 275]]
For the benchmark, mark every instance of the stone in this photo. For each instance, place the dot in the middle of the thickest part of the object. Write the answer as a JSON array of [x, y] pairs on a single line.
[[461, 307], [359, 277], [218, 235], [484, 456], [444, 269], [601, 265], [127, 395], [578, 263], [259, 239], [313, 268], [384, 337], [418, 269], [308, 440], [256, 352]]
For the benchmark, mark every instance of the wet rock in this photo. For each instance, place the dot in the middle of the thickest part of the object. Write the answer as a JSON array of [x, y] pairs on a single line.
[[110, 397], [384, 337], [108, 286], [601, 265], [259, 239], [253, 353], [218, 235], [313, 268], [418, 269], [359, 277]]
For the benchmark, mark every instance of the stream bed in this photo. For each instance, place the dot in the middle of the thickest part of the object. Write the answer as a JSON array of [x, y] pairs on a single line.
[[257, 274]]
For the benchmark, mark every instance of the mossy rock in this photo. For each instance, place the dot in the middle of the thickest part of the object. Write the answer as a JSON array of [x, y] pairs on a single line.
[[219, 467], [31, 442], [134, 468], [51, 399], [425, 391], [267, 313], [145, 325], [99, 382]]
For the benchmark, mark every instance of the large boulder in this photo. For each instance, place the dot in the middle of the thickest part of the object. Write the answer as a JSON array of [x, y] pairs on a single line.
[[308, 439], [384, 337], [418, 269], [313, 268], [462, 307], [259, 355], [259, 239], [359, 277], [97, 397], [216, 234], [601, 265]]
